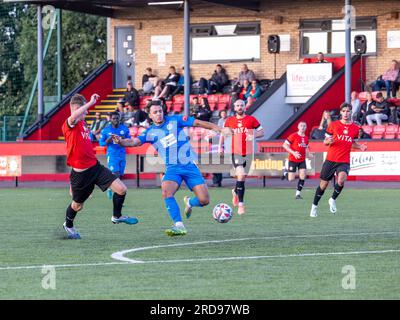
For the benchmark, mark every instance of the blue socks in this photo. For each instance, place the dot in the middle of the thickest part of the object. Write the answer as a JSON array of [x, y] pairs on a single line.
[[173, 209], [194, 202]]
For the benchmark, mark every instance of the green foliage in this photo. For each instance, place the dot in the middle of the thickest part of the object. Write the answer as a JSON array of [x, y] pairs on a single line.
[[83, 49]]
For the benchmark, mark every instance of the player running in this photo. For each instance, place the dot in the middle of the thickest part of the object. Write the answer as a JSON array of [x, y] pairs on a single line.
[[297, 145], [116, 154], [245, 130], [86, 170], [340, 137], [166, 134]]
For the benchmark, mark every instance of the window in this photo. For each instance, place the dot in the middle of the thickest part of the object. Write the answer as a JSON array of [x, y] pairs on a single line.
[[328, 36], [224, 42]]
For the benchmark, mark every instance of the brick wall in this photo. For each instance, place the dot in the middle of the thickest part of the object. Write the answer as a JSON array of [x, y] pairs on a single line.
[[148, 22]]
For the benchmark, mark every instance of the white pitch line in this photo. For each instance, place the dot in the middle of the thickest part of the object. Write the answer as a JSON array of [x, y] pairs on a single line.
[[128, 261]]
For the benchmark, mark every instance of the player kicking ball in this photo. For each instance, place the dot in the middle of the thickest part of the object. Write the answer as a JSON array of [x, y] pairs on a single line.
[[86, 170], [167, 136], [245, 129], [297, 145], [340, 137]]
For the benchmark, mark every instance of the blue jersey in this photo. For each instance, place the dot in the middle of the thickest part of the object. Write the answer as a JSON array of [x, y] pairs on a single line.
[[113, 149], [170, 140]]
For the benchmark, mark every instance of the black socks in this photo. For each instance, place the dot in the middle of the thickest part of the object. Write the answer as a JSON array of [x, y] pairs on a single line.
[[118, 201], [300, 185], [240, 190], [318, 194], [338, 189], [70, 216]]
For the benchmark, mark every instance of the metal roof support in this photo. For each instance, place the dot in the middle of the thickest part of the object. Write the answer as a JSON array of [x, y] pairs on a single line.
[[186, 41], [348, 51]]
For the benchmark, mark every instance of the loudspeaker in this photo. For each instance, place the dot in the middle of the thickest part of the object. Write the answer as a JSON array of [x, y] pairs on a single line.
[[274, 43], [360, 44]]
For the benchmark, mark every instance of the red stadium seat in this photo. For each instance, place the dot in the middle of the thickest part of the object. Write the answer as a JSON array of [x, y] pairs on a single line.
[[391, 132], [378, 132], [213, 101], [223, 102], [362, 95], [368, 129], [169, 104], [179, 102], [394, 101]]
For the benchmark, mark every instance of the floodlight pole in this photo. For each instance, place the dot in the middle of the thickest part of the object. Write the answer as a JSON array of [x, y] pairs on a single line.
[[59, 55], [186, 41], [40, 63], [348, 51]]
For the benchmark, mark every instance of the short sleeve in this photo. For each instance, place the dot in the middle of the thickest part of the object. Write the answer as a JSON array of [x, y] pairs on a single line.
[[184, 121], [227, 123], [290, 139], [329, 130], [127, 134], [143, 137], [256, 124]]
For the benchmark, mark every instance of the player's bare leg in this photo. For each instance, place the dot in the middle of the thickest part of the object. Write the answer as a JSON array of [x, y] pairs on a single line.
[[300, 184], [201, 199], [119, 189], [318, 194], [168, 189], [342, 177]]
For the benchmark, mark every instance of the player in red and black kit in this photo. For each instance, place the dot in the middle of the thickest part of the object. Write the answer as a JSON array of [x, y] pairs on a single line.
[[340, 137], [86, 170], [296, 145], [245, 129]]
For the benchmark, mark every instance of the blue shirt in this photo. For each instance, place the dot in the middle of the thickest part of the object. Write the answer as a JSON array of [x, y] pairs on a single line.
[[170, 140], [114, 149]]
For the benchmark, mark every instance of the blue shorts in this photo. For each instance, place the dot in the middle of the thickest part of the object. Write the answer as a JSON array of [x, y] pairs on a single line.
[[116, 164], [189, 173]]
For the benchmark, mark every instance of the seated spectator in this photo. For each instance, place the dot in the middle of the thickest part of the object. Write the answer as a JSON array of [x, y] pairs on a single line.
[[132, 94], [195, 106], [253, 92], [149, 81], [137, 118], [240, 92], [387, 78], [216, 83], [364, 109], [363, 135], [319, 133], [394, 114], [181, 83], [321, 58], [204, 112], [168, 85], [97, 125], [222, 118], [355, 105], [378, 112], [244, 74], [120, 107]]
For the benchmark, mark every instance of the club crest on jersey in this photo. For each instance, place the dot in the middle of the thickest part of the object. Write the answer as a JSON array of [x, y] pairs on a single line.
[[121, 132], [170, 126], [345, 131]]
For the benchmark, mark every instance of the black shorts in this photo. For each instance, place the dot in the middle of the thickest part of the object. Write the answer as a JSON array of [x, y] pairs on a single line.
[[329, 168], [82, 183], [238, 160], [293, 166]]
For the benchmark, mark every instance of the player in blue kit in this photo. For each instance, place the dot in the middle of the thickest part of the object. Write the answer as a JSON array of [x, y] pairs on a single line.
[[116, 154], [167, 136]]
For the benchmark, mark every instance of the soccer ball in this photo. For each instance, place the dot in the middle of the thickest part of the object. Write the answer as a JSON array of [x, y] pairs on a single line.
[[222, 213]]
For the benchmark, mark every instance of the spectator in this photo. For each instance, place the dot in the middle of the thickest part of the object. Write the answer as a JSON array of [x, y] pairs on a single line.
[[378, 112], [364, 109], [319, 133], [168, 85], [217, 177], [244, 74], [149, 81], [216, 83], [394, 115], [363, 135], [355, 105], [239, 92], [181, 82], [204, 112], [128, 114], [195, 106], [321, 58], [132, 94], [120, 107], [388, 77], [253, 92], [97, 125], [137, 118]]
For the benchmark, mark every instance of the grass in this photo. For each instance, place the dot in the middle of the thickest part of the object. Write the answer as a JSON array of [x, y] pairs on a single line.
[[275, 225]]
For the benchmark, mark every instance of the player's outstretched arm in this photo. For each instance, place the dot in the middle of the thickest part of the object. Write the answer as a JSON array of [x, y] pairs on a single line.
[[259, 132], [206, 125], [358, 146], [133, 142], [80, 111]]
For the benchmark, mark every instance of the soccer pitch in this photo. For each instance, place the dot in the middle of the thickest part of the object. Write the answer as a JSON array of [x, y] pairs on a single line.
[[275, 251]]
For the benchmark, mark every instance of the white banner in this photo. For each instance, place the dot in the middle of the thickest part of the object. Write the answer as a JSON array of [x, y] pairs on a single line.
[[161, 44], [304, 80], [379, 163]]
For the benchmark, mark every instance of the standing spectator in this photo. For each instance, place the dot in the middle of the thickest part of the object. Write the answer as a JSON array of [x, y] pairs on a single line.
[[355, 105], [319, 133], [252, 94], [378, 112], [364, 109], [388, 77], [321, 58], [97, 125], [244, 74], [168, 85], [132, 94], [216, 83], [149, 81], [217, 177]]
